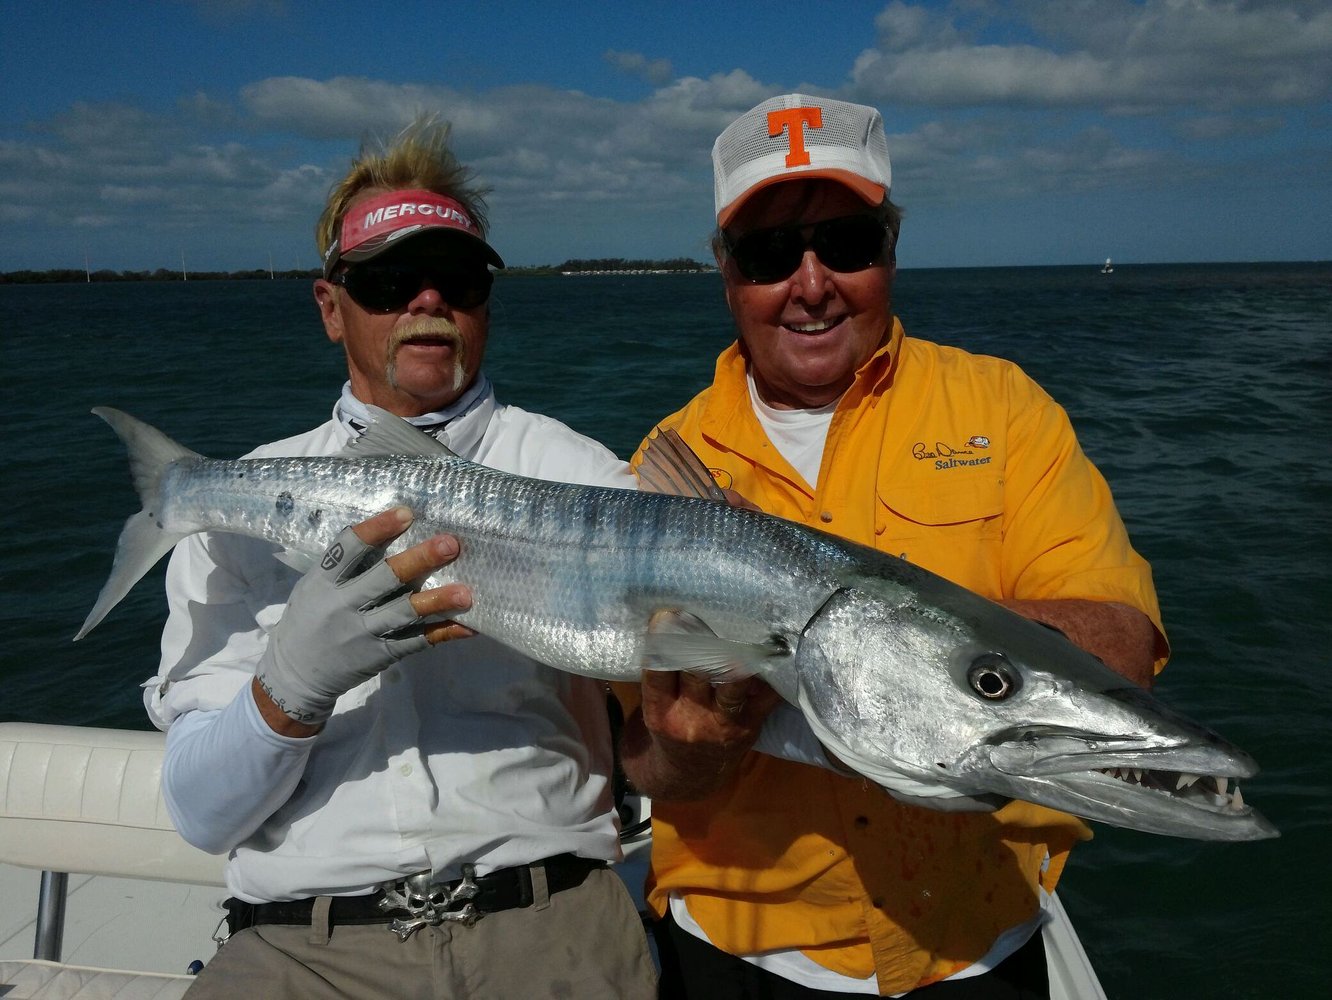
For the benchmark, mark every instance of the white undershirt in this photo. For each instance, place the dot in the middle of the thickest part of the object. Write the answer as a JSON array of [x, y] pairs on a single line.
[[798, 434]]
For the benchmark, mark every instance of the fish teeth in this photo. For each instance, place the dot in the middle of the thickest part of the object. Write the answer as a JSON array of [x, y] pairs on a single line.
[[1221, 785], [1236, 800], [1185, 781]]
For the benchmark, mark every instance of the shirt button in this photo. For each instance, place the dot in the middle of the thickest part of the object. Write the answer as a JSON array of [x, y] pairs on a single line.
[[861, 822], [826, 516], [406, 769]]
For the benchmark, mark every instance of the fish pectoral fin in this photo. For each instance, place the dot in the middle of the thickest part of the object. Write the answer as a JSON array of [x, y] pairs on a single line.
[[672, 621], [678, 640], [389, 434], [668, 465]]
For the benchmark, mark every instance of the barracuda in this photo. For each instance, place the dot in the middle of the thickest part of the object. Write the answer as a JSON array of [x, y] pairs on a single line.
[[919, 685]]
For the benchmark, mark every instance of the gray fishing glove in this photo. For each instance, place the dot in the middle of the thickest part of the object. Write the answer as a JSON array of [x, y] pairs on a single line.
[[347, 619]]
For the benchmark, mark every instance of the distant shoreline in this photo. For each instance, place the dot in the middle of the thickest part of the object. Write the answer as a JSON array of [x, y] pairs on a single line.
[[595, 268], [602, 266]]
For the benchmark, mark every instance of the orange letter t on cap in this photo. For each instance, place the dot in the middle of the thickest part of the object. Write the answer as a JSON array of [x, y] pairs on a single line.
[[794, 120]]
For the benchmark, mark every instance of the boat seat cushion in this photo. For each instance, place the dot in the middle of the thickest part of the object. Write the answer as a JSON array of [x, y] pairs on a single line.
[[32, 979]]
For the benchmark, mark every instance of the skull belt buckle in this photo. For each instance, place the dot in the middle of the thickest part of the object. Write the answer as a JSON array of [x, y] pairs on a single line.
[[431, 903]]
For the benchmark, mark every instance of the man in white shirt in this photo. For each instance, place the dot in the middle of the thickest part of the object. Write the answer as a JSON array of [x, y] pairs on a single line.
[[403, 817]]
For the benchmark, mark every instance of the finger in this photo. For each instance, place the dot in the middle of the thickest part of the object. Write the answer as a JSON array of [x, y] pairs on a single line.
[[422, 559], [739, 500], [660, 682], [695, 688], [730, 698], [446, 600], [381, 529], [341, 559], [390, 615], [446, 632]]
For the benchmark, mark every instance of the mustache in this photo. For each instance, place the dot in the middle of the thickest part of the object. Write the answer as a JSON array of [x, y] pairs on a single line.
[[427, 328], [436, 328]]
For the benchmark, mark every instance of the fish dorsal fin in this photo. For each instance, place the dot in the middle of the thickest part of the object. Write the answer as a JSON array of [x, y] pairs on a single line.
[[668, 465], [389, 434], [678, 640]]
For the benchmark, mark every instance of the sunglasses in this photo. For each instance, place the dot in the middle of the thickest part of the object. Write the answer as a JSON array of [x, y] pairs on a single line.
[[388, 287], [846, 244]]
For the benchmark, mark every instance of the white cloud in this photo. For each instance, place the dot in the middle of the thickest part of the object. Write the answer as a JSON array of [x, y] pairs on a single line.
[[983, 75], [903, 27], [1209, 128], [655, 71], [1130, 57], [342, 107]]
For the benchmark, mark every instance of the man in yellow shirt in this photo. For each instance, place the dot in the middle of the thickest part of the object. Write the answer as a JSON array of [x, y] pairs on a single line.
[[781, 877]]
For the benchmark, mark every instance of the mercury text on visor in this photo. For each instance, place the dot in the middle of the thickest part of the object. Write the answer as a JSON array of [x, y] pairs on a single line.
[[390, 212]]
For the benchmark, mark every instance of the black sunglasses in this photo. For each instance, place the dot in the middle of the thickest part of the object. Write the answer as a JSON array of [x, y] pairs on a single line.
[[387, 287], [846, 244]]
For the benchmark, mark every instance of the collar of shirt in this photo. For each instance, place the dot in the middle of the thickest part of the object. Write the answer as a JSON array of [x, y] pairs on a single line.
[[460, 425]]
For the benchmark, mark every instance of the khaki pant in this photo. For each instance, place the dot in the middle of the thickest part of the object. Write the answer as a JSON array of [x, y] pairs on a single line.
[[585, 943]]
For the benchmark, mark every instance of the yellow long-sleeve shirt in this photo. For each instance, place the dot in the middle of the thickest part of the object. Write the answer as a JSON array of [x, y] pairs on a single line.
[[963, 465]]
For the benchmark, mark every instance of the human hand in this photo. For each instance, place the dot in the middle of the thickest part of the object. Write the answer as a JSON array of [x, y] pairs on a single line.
[[688, 709], [736, 499], [350, 617], [688, 736]]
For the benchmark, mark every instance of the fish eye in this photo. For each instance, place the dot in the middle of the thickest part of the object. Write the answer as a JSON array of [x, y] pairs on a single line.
[[992, 677]]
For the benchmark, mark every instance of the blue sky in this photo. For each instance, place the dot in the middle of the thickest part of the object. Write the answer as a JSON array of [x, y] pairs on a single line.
[[1021, 133]]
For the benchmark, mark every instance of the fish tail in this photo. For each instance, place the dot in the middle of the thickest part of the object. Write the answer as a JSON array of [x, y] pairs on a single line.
[[144, 540]]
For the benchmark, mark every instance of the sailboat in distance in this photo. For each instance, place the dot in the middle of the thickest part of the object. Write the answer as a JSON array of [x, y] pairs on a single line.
[[1107, 267]]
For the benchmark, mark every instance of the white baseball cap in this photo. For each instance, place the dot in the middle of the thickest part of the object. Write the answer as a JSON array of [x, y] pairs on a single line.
[[796, 136]]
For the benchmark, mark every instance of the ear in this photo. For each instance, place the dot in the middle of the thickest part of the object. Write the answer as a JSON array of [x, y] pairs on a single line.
[[326, 298], [728, 274]]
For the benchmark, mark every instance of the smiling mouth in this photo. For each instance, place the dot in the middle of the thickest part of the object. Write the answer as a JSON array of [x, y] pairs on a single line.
[[813, 326]]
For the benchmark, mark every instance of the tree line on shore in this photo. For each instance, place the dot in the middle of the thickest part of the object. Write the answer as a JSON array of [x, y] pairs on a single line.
[[572, 266], [601, 264], [58, 275]]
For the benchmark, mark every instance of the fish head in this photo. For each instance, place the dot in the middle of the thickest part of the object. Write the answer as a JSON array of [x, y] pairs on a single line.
[[936, 692]]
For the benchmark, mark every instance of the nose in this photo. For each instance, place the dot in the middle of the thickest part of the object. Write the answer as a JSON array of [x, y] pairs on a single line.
[[428, 300], [812, 281]]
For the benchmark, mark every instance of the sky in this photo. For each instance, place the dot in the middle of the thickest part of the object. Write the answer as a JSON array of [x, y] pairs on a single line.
[[137, 135]]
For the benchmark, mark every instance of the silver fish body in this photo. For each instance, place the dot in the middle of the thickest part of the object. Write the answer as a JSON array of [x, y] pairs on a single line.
[[910, 680]]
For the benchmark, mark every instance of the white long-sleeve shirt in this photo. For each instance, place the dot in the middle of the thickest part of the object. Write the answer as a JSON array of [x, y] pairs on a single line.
[[466, 752]]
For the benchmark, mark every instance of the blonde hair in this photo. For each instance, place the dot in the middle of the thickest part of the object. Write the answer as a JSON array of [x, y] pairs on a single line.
[[417, 157]]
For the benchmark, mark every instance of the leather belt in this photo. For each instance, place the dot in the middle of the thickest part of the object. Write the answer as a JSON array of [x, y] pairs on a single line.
[[416, 901]]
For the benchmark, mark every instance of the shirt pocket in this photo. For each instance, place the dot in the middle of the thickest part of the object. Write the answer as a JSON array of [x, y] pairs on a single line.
[[952, 528]]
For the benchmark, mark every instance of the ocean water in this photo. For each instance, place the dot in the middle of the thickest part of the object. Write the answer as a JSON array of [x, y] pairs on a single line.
[[1204, 393]]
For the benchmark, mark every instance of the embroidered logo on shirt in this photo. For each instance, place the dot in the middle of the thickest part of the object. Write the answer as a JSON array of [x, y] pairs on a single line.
[[946, 456]]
